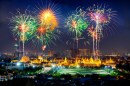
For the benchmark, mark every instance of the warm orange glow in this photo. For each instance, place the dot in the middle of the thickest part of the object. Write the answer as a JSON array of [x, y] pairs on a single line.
[[15, 38], [47, 17], [95, 36], [85, 62], [21, 38], [36, 61], [65, 62], [55, 23], [110, 61], [92, 32], [52, 28], [74, 24], [23, 28], [38, 37], [24, 59], [41, 30], [43, 47]]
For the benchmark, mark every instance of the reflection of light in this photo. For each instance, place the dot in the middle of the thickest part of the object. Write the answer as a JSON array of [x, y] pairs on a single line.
[[33, 66], [97, 17], [47, 14], [53, 65], [105, 66], [77, 66], [18, 64]]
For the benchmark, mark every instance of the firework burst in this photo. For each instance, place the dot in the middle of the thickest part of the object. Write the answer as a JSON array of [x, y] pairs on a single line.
[[47, 23], [77, 24], [23, 26], [99, 17]]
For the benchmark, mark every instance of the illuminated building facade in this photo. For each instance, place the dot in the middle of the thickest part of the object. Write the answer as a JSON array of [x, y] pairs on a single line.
[[84, 52], [50, 53], [115, 53]]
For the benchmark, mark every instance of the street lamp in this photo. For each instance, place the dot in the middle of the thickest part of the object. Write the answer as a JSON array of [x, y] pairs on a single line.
[[53, 66], [33, 66], [18, 64], [77, 66]]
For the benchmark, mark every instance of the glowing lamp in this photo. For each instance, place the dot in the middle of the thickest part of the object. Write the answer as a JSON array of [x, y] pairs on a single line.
[[18, 63], [77, 66], [33, 66], [53, 65]]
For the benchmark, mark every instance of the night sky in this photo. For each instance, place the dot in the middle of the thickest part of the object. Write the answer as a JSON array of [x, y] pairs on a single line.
[[119, 40]]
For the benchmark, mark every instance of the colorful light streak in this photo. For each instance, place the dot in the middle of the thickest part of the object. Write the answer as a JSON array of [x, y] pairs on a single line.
[[77, 24], [23, 26], [46, 31], [99, 17]]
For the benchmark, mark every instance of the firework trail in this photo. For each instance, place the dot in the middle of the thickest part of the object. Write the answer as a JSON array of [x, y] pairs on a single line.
[[99, 16], [47, 24], [77, 24], [23, 26]]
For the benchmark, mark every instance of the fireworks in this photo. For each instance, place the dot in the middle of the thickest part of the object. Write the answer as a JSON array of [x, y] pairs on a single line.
[[77, 24], [44, 37], [47, 22], [23, 26], [43, 47], [42, 28], [99, 16], [47, 18]]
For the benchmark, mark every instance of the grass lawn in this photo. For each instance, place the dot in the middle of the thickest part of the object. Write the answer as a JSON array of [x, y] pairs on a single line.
[[82, 71]]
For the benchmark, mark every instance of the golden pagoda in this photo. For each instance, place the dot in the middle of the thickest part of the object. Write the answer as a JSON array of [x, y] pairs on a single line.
[[36, 61], [64, 63], [45, 60], [77, 62], [40, 57], [48, 64], [14, 60], [24, 59], [58, 59], [110, 61], [91, 62]]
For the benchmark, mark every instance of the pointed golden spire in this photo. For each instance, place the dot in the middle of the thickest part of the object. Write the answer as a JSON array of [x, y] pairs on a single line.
[[65, 60], [110, 58], [99, 59], [91, 59], [46, 58]]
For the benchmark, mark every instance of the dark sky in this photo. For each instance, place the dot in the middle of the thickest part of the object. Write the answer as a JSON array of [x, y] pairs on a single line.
[[119, 40]]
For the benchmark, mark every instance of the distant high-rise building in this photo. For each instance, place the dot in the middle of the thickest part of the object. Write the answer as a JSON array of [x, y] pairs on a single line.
[[16, 53], [88, 52], [50, 53], [96, 54], [84, 52], [16, 47], [28, 54], [68, 53], [115, 52], [79, 52]]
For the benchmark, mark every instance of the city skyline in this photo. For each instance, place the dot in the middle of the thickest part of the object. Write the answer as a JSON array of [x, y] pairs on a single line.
[[119, 40]]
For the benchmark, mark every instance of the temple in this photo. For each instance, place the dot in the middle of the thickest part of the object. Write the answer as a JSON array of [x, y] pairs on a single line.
[[71, 62]]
